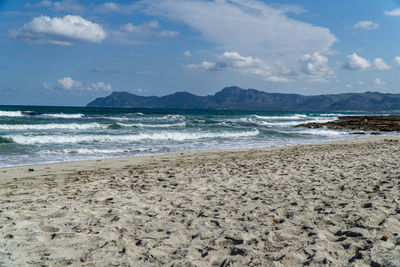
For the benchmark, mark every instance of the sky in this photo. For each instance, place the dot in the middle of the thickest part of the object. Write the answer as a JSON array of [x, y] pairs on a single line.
[[69, 52]]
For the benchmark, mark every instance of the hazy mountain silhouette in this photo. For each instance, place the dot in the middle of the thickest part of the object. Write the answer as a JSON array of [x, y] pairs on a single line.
[[235, 98]]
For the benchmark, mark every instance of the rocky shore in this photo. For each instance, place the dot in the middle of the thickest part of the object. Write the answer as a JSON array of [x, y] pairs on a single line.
[[361, 123]]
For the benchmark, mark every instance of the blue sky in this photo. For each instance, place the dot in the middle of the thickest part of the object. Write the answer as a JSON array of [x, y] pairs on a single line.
[[68, 52]]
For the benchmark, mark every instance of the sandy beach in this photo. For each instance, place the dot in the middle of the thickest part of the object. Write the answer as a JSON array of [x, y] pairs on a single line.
[[335, 204]]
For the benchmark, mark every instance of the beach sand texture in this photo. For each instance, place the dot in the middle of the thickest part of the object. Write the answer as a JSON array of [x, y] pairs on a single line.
[[335, 203]]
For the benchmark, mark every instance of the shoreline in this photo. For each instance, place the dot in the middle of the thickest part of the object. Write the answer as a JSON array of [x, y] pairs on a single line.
[[145, 156], [332, 203]]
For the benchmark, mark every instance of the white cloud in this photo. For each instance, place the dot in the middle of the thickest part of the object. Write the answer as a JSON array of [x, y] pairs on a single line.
[[104, 71], [187, 53], [315, 67], [144, 28], [379, 82], [247, 26], [62, 31], [112, 6], [395, 12], [380, 64], [278, 79], [366, 25], [361, 82], [233, 61], [140, 91], [168, 33], [355, 62], [115, 7], [47, 85], [60, 5], [134, 34], [349, 85], [99, 86], [67, 83], [397, 61], [205, 65]]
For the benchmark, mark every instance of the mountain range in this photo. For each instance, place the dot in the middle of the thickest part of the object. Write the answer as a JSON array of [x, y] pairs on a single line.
[[235, 98]]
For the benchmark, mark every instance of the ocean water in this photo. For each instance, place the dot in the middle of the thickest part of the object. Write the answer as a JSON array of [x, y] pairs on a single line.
[[36, 135]]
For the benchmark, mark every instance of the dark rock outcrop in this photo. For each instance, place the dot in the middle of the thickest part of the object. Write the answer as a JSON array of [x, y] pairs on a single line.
[[364, 123], [235, 98]]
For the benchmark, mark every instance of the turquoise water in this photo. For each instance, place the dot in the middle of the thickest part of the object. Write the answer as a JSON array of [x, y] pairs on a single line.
[[32, 135]]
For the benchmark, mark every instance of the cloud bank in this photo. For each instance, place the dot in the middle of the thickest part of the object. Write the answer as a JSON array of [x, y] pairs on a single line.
[[59, 5], [138, 33], [243, 64], [61, 31], [355, 62], [248, 27]]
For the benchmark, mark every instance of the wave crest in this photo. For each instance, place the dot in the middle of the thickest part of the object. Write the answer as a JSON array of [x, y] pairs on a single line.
[[174, 136]]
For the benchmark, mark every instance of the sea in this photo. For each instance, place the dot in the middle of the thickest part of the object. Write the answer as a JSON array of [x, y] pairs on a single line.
[[38, 135]]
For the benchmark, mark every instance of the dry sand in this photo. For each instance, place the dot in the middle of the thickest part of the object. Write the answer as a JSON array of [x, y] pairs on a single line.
[[336, 204]]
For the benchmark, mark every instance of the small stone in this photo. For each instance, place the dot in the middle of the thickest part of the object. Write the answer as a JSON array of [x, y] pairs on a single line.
[[225, 263], [237, 251], [385, 237], [356, 257], [236, 241], [9, 236], [31, 170], [375, 264], [367, 205], [115, 219]]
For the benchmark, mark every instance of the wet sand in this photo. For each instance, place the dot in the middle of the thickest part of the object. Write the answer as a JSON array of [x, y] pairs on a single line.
[[334, 204]]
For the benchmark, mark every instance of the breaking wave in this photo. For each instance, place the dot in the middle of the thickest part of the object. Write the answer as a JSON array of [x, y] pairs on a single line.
[[11, 114], [53, 126], [64, 116], [174, 136]]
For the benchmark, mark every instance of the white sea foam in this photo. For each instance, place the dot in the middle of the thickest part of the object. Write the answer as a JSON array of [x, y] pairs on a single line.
[[53, 126], [114, 118], [141, 125], [95, 151], [322, 132], [331, 115], [64, 116], [293, 117], [174, 117], [11, 114], [174, 136]]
